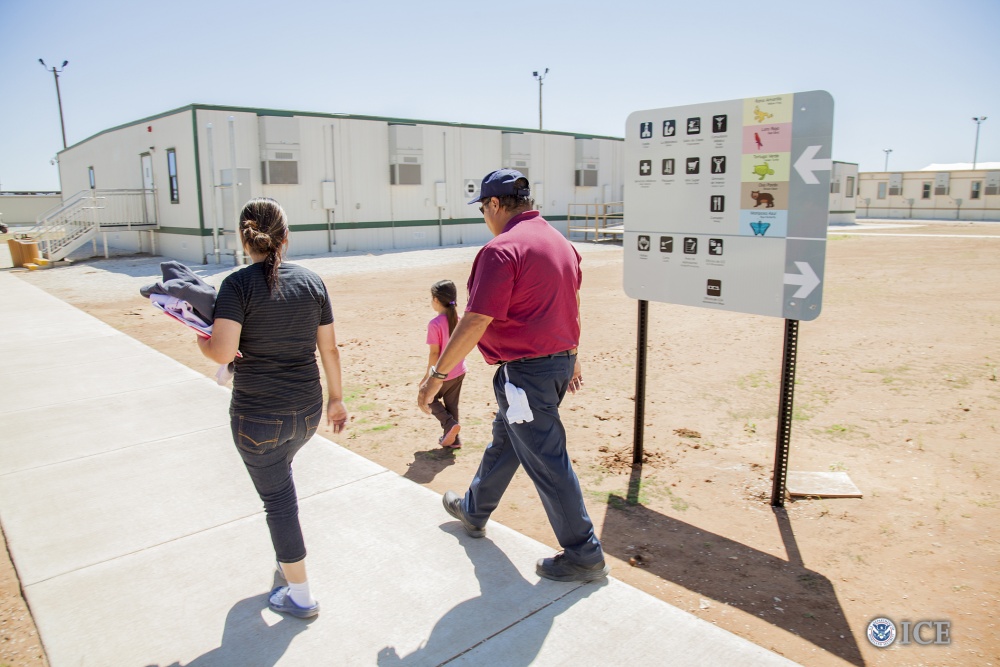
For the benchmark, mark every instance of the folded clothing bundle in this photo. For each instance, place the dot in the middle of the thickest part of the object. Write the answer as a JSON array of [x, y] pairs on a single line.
[[187, 298], [181, 283]]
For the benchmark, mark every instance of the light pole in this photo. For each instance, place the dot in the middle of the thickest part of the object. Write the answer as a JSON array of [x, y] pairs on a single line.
[[978, 120], [886, 151], [55, 73], [540, 77]]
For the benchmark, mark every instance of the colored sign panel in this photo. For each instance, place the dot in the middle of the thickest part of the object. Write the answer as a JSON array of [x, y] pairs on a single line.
[[726, 205]]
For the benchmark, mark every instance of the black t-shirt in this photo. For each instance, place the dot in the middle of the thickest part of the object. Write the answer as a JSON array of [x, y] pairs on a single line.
[[278, 370]]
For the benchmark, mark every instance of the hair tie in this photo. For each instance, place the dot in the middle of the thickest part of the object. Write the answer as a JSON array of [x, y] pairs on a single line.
[[451, 303]]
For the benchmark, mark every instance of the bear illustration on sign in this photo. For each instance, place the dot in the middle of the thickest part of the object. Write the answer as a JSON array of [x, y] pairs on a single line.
[[762, 198], [761, 116], [762, 170]]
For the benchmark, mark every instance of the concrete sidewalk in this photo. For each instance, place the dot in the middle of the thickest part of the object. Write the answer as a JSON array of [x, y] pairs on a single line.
[[139, 540]]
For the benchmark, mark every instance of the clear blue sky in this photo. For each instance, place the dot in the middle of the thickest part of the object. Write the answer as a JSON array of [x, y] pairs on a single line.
[[905, 75]]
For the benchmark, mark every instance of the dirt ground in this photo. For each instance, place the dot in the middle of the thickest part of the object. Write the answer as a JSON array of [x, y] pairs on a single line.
[[896, 386]]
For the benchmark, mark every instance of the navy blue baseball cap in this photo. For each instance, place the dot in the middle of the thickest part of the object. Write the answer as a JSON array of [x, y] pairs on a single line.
[[500, 183]]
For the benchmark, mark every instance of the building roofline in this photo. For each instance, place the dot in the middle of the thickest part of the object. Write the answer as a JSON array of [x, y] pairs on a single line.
[[344, 116]]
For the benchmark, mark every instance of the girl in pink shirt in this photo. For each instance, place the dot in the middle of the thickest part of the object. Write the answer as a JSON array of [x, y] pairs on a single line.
[[445, 403]]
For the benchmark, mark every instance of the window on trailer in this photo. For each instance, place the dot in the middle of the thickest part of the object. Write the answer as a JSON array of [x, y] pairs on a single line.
[[175, 196]]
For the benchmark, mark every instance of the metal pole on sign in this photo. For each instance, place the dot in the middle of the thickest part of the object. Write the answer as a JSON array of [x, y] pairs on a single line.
[[785, 404], [640, 382]]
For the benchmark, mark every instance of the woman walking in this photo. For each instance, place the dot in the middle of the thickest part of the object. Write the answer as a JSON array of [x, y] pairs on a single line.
[[277, 315]]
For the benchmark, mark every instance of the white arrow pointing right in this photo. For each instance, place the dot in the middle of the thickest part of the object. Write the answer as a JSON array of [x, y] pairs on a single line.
[[807, 280], [807, 164]]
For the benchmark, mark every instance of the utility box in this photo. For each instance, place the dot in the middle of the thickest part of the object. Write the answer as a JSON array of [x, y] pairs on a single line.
[[329, 195]]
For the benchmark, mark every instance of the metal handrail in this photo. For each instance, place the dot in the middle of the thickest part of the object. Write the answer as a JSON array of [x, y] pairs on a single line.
[[596, 217], [66, 226]]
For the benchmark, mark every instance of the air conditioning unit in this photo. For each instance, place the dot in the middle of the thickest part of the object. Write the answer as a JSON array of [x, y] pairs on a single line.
[[516, 152], [586, 174], [587, 162], [406, 154], [279, 149], [280, 167]]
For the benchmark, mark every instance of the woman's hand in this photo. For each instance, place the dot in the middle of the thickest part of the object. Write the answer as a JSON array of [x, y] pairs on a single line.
[[336, 414]]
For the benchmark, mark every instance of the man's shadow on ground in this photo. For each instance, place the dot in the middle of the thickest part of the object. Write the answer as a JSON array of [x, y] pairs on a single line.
[[499, 581], [248, 640], [783, 592], [427, 464]]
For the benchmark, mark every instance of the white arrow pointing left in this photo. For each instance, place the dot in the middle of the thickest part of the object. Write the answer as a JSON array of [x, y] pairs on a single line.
[[806, 279], [808, 163]]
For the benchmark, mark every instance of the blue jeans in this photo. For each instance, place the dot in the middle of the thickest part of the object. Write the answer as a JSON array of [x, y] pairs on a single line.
[[267, 444], [539, 446]]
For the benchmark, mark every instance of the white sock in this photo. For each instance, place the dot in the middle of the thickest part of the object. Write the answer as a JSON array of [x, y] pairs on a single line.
[[300, 594]]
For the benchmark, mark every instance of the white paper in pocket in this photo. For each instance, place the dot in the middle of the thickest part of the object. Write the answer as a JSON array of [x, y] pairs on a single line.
[[518, 410]]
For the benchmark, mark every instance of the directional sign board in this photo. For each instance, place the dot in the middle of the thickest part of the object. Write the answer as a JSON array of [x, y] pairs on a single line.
[[726, 204]]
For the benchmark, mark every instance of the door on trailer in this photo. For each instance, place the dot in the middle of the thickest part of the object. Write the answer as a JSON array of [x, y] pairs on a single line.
[[149, 197]]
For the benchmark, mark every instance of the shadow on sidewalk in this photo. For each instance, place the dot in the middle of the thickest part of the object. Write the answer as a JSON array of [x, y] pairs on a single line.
[[783, 592], [498, 580], [427, 464], [248, 640]]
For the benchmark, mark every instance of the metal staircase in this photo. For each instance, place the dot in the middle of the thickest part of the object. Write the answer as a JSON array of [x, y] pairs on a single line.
[[80, 218]]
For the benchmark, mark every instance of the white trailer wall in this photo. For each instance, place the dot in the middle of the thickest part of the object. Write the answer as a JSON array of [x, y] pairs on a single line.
[[877, 199], [344, 199], [116, 158], [843, 192], [23, 209]]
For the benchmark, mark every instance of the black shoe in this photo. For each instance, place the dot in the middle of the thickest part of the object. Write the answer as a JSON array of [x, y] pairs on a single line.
[[453, 506], [558, 568]]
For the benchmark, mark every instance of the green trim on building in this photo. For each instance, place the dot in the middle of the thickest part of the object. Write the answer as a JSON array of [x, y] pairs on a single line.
[[184, 231], [197, 170], [345, 116], [851, 211], [347, 226]]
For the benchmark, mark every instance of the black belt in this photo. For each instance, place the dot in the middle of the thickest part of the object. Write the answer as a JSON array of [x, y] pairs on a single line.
[[564, 353]]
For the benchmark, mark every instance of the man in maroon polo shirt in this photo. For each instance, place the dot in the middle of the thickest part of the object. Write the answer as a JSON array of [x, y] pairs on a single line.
[[524, 315]]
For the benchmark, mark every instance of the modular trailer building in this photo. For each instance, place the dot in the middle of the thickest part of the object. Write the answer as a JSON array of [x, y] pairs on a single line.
[[936, 192], [347, 182]]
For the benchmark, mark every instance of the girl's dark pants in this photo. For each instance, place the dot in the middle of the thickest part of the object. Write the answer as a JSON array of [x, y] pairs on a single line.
[[445, 403]]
